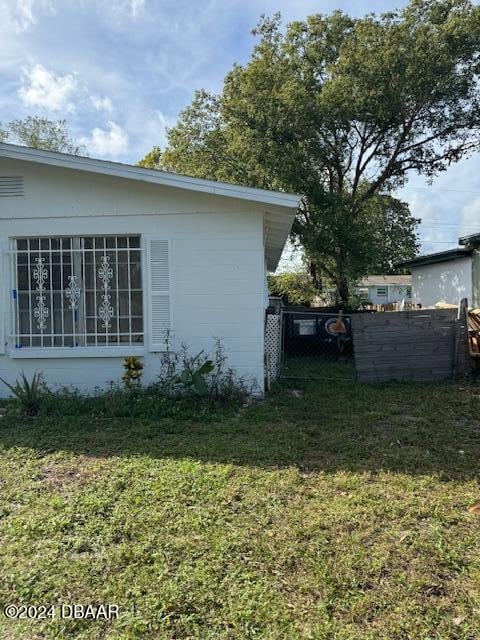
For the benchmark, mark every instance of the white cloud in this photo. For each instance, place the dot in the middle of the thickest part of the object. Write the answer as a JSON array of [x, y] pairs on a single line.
[[131, 7], [42, 88], [19, 15], [135, 6], [102, 104], [111, 142], [25, 16]]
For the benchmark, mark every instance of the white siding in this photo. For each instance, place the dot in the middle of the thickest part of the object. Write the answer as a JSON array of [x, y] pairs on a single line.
[[217, 262], [395, 293], [448, 281]]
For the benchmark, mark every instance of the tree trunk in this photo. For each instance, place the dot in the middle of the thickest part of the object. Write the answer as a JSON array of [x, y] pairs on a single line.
[[342, 283], [343, 291], [317, 283]]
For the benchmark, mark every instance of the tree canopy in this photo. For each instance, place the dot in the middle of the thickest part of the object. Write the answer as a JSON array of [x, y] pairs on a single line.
[[41, 133], [341, 110], [295, 287]]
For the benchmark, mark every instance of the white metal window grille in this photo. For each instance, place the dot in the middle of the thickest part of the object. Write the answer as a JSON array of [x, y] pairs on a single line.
[[77, 292]]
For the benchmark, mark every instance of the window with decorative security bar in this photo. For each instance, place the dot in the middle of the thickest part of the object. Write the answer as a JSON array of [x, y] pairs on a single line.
[[77, 291]]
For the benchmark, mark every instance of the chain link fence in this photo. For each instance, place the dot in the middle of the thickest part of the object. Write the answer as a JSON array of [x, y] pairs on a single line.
[[317, 345]]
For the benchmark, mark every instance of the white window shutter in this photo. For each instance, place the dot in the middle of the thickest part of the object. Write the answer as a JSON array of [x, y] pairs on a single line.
[[5, 293], [159, 284]]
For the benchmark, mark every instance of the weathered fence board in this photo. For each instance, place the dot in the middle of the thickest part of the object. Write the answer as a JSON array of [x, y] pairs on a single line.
[[410, 345]]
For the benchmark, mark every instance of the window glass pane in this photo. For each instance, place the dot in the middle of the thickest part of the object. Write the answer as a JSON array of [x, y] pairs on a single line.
[[134, 242], [136, 305], [124, 325], [137, 325], [123, 302], [23, 278], [135, 275]]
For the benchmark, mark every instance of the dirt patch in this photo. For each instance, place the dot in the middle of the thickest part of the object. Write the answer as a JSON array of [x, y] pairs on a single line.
[[64, 475]]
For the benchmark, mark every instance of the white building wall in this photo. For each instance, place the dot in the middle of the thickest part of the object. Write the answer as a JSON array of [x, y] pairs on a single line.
[[395, 293], [217, 262], [447, 281]]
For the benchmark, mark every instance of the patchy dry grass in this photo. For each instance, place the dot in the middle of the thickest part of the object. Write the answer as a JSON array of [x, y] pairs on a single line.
[[339, 512]]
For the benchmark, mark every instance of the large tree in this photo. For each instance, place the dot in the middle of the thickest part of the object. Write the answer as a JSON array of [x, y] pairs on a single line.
[[341, 110], [295, 287], [41, 133]]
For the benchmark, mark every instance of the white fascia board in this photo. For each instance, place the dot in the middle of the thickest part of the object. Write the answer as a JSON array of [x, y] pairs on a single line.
[[278, 224], [153, 176]]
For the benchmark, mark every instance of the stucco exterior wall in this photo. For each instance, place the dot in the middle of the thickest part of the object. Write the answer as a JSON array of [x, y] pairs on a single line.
[[448, 281], [395, 293], [217, 262]]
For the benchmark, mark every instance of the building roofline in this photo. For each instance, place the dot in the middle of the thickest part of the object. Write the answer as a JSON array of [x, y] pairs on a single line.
[[441, 256], [165, 178], [280, 209], [471, 240]]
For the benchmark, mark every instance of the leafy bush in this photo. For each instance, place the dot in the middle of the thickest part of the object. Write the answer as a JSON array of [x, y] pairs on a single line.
[[119, 402], [208, 376], [132, 371], [193, 377], [295, 287], [28, 395], [189, 387]]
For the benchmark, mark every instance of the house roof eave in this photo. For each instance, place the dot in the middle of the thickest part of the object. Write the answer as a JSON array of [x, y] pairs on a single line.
[[164, 178], [434, 258]]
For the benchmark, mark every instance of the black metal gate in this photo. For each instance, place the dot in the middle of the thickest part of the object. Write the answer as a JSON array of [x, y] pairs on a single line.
[[317, 345]]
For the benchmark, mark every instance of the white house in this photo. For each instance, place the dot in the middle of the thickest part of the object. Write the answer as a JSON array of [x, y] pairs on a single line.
[[447, 276], [100, 259], [384, 289]]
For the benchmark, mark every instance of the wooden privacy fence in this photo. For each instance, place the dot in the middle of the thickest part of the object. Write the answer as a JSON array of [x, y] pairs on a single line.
[[424, 345]]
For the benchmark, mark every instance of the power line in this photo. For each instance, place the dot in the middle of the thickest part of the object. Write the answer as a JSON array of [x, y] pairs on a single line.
[[430, 190], [450, 226]]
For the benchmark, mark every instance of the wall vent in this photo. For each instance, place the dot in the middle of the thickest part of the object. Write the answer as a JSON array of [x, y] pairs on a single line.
[[11, 186]]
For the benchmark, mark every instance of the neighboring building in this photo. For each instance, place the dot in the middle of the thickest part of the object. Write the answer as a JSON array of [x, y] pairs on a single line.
[[447, 276], [385, 289], [101, 260]]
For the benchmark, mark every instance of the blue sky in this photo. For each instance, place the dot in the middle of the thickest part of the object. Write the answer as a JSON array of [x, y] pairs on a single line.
[[120, 71]]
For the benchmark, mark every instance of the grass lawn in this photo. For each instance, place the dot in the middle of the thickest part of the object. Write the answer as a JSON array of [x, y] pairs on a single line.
[[330, 511], [325, 366]]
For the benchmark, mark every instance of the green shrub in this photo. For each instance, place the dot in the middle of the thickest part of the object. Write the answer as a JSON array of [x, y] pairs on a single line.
[[132, 371], [196, 387], [28, 394], [201, 375]]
